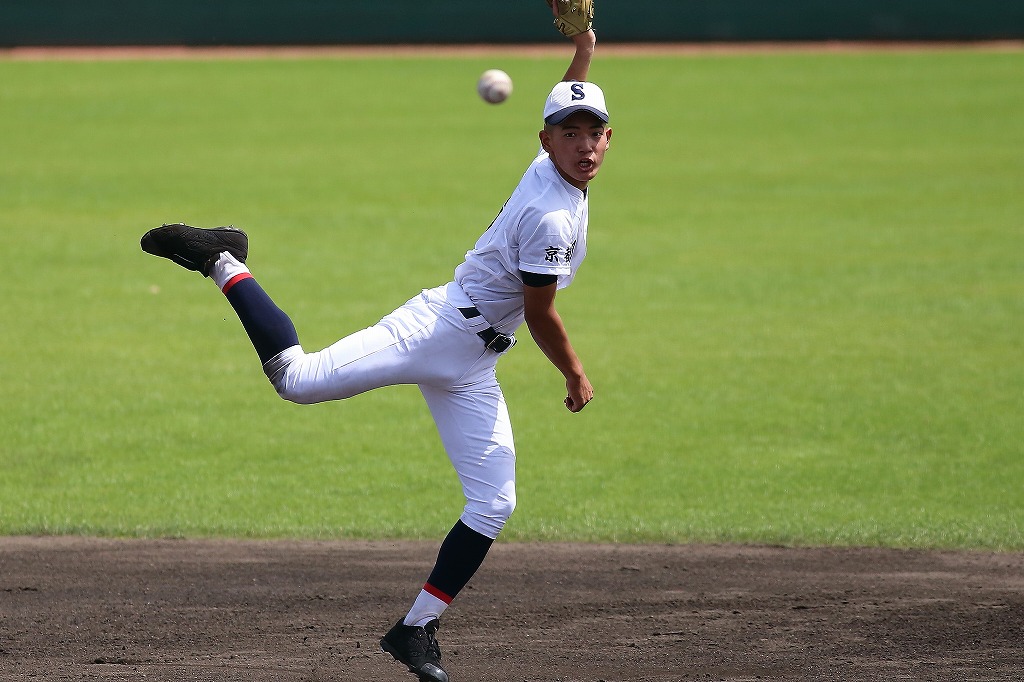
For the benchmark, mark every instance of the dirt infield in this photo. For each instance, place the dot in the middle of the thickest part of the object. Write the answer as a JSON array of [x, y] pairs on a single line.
[[85, 609]]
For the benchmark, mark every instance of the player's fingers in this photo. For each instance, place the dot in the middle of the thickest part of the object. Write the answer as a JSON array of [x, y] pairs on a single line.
[[577, 405]]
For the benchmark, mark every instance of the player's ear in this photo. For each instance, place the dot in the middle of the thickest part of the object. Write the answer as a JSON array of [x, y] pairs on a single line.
[[545, 140], [608, 136]]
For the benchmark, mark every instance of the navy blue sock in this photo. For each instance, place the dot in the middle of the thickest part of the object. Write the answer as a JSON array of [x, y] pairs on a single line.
[[461, 554], [269, 328]]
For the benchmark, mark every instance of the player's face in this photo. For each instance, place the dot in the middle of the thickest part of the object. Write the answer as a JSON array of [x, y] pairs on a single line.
[[577, 146]]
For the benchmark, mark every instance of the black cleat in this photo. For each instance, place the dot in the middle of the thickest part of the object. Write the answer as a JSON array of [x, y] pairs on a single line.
[[194, 248], [417, 649]]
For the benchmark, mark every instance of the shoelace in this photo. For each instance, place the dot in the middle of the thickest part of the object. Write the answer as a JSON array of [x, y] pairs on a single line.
[[432, 645], [435, 648]]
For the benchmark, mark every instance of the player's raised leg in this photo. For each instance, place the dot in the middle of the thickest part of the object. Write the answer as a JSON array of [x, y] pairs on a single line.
[[219, 253]]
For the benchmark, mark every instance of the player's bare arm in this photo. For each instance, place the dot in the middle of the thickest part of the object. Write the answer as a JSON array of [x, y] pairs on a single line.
[[585, 42], [579, 68], [546, 327]]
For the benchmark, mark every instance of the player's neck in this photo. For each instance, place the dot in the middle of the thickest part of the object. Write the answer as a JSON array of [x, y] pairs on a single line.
[[581, 185]]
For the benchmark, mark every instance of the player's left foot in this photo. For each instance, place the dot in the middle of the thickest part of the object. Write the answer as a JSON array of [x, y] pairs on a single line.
[[417, 649], [194, 248]]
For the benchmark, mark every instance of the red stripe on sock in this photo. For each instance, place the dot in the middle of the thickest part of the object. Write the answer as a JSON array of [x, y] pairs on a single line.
[[235, 280], [437, 593]]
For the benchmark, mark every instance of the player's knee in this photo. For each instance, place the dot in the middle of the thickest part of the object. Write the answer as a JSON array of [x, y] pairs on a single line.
[[296, 393], [489, 516], [312, 392], [285, 372], [303, 378], [502, 507], [291, 388]]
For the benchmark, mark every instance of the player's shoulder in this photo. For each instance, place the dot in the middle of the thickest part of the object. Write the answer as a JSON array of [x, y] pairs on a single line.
[[539, 185], [549, 202], [543, 196]]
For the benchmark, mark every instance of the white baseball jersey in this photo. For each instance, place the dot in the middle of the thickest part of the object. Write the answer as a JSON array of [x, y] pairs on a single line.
[[541, 229]]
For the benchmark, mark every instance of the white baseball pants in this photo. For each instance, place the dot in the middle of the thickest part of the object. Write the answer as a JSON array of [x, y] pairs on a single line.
[[429, 343]]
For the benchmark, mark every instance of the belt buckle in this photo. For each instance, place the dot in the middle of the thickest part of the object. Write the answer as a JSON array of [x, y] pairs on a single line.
[[501, 343]]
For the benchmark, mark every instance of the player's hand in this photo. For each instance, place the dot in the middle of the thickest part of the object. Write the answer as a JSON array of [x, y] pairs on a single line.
[[572, 17], [580, 393]]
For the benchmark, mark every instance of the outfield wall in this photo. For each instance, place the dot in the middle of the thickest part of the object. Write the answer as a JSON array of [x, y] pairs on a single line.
[[324, 22]]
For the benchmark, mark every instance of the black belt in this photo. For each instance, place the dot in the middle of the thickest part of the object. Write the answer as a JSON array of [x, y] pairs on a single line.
[[493, 339]]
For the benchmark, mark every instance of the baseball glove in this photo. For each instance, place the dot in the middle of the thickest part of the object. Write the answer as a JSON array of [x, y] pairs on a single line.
[[574, 16]]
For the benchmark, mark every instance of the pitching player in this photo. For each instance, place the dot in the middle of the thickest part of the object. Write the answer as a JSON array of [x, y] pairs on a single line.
[[447, 340]]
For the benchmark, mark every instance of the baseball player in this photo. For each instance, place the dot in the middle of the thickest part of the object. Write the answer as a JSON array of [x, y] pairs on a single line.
[[447, 340]]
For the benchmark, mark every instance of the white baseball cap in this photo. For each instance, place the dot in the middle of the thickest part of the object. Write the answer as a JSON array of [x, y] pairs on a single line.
[[568, 97]]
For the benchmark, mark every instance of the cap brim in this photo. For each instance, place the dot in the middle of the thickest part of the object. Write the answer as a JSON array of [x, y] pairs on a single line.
[[562, 114]]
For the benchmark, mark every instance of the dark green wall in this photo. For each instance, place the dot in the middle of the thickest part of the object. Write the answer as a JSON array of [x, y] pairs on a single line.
[[312, 22]]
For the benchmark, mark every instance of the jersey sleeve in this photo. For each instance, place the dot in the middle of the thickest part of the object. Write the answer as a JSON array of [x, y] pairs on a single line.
[[546, 244]]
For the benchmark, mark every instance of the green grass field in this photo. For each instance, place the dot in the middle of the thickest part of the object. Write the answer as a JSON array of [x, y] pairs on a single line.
[[803, 308]]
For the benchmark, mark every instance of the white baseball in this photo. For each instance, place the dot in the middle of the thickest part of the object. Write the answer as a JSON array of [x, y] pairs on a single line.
[[494, 86]]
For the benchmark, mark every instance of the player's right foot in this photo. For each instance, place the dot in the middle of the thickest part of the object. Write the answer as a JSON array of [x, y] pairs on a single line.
[[417, 649], [194, 248]]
